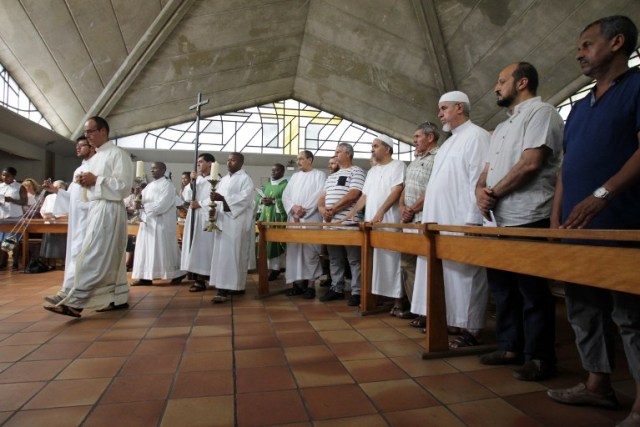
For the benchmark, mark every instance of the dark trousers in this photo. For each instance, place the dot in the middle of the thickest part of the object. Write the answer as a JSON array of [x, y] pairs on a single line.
[[525, 312]]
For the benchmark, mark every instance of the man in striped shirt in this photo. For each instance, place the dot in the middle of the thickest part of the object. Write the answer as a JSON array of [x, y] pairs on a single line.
[[341, 191], [425, 139]]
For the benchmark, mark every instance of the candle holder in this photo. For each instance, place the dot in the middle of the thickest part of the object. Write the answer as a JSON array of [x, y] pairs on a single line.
[[136, 219], [213, 212]]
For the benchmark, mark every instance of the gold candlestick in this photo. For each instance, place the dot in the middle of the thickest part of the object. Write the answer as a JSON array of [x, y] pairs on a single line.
[[135, 219], [213, 212]]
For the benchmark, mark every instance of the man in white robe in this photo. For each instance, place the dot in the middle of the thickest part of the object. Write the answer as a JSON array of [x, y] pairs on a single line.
[[71, 203], [232, 243], [101, 275], [450, 199], [197, 250], [380, 195], [156, 254], [300, 200]]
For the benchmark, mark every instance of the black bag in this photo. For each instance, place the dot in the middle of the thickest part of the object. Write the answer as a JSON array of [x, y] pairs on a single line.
[[36, 266]]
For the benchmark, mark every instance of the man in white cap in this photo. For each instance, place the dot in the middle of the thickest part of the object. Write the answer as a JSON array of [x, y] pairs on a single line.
[[380, 196], [517, 186], [450, 199]]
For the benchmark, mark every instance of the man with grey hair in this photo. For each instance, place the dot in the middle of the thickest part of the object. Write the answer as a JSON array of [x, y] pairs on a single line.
[[341, 191], [425, 139], [380, 195], [450, 199]]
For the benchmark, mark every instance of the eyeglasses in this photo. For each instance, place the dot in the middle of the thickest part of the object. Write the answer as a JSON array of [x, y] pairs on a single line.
[[90, 131]]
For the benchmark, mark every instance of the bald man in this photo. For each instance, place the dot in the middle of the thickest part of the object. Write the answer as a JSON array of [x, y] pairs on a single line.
[[157, 255]]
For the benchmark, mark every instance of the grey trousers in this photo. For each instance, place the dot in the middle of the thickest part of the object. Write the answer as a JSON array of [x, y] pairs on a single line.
[[595, 314], [338, 257]]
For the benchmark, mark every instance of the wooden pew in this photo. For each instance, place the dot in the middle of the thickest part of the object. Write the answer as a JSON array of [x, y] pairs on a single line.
[[601, 266]]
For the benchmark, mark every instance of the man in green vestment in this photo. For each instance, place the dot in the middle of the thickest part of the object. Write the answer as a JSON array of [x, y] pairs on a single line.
[[271, 210]]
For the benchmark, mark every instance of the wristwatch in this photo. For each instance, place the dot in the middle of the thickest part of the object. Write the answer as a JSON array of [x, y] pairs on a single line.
[[602, 193]]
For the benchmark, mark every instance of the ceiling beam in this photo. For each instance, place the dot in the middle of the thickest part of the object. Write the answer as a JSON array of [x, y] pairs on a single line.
[[164, 24], [434, 43]]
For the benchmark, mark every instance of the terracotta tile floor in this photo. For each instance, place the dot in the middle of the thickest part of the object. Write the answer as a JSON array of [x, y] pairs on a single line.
[[175, 359]]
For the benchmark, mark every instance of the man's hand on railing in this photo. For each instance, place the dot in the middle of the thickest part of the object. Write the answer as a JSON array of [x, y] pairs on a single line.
[[584, 212]]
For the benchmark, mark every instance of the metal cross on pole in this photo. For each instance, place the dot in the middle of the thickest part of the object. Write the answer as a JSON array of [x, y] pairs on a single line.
[[196, 107]]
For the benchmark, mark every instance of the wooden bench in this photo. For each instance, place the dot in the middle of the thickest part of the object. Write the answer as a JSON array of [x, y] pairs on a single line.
[[601, 266]]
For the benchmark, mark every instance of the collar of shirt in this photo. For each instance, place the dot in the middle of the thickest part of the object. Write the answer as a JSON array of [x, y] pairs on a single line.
[[615, 81], [523, 105]]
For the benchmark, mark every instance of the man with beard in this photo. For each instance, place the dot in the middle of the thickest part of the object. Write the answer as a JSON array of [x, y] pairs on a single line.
[[516, 187]]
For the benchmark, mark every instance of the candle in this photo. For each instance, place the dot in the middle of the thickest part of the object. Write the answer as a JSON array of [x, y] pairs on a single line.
[[139, 169], [215, 168]]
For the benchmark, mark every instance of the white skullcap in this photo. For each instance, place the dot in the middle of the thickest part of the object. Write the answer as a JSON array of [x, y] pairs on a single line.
[[455, 96], [384, 138]]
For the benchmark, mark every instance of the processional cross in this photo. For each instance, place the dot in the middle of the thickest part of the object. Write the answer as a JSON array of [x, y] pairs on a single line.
[[196, 107]]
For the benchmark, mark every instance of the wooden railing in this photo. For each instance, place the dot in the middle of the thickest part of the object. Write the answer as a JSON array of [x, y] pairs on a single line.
[[609, 267]]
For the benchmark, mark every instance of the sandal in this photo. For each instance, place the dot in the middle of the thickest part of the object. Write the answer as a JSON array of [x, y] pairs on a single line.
[[465, 339], [198, 287], [419, 322], [395, 311], [65, 310], [294, 290], [407, 314]]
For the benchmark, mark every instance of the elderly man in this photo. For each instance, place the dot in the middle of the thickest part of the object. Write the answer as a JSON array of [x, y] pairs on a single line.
[[13, 197], [232, 243], [516, 188], [341, 191], [380, 195], [599, 187], [271, 210], [425, 139], [71, 202], [197, 247], [101, 275], [450, 199], [300, 201], [157, 255]]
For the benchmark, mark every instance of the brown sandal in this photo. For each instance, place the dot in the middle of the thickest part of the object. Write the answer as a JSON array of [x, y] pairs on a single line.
[[465, 339]]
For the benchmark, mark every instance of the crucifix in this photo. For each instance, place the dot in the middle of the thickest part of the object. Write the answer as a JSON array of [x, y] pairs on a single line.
[[196, 107]]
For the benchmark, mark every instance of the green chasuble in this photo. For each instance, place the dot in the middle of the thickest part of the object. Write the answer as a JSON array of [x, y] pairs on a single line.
[[273, 213]]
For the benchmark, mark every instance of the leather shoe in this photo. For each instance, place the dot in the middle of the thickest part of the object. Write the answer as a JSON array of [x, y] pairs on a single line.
[[535, 370], [273, 275], [142, 282], [178, 280], [579, 395], [499, 357], [354, 300], [331, 296]]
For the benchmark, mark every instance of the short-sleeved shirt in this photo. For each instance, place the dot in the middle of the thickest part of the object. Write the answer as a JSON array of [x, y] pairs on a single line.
[[533, 124], [417, 177], [340, 183], [599, 138]]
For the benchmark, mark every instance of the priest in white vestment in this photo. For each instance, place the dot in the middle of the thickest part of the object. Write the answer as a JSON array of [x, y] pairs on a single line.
[[450, 199], [197, 250], [300, 200], [235, 219], [380, 195], [101, 275], [71, 203], [156, 254]]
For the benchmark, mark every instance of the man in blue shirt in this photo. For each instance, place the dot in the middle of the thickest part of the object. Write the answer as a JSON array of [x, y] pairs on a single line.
[[599, 187]]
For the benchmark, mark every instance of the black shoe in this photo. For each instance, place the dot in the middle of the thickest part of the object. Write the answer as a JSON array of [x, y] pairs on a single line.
[[354, 300], [332, 295], [142, 282], [499, 357], [535, 370], [273, 274], [309, 293], [178, 280]]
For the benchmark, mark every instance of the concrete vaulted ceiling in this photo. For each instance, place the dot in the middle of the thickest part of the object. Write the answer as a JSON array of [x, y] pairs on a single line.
[[380, 63]]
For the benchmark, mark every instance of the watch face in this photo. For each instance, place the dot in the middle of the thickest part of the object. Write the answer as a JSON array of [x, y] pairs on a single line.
[[601, 193]]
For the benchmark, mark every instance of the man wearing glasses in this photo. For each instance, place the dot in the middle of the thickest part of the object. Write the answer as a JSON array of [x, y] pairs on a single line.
[[101, 276]]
